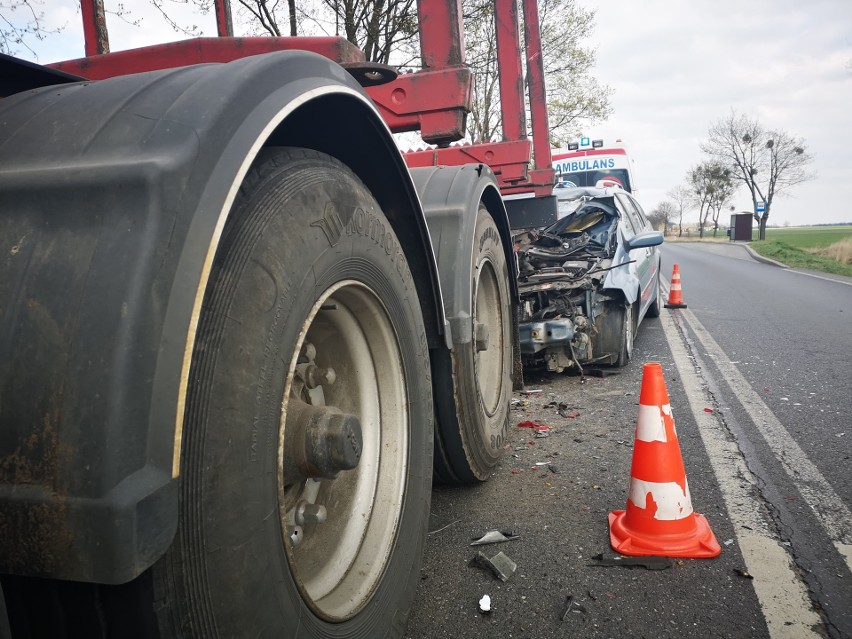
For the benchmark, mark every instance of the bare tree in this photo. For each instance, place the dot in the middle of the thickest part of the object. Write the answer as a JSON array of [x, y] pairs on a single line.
[[380, 28], [663, 215], [574, 97], [723, 191], [711, 186], [768, 162], [21, 23], [682, 198]]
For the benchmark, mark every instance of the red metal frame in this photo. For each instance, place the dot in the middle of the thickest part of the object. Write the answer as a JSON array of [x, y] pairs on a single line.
[[434, 101]]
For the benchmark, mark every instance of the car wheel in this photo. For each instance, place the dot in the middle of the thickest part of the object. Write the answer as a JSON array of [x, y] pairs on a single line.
[[654, 308], [306, 456], [616, 329]]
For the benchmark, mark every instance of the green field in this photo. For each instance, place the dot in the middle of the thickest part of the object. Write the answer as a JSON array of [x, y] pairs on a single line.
[[805, 247], [807, 236]]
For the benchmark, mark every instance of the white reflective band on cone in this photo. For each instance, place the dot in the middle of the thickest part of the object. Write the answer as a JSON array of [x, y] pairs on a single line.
[[650, 426], [672, 502]]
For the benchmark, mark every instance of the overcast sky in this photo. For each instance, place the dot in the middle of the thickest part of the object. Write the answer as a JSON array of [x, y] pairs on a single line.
[[674, 68], [677, 66]]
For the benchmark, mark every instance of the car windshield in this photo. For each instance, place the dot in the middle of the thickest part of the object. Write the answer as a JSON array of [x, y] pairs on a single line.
[[588, 215], [610, 177]]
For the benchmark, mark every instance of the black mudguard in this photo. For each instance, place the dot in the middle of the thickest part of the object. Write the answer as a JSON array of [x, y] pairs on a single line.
[[450, 196], [114, 194]]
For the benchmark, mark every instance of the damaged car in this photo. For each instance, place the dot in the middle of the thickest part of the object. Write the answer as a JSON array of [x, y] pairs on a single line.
[[587, 281]]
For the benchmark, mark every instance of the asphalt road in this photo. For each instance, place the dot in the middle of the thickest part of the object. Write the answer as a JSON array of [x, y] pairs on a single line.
[[782, 571]]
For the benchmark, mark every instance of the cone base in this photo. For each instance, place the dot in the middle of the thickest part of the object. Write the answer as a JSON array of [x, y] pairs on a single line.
[[699, 543], [674, 305]]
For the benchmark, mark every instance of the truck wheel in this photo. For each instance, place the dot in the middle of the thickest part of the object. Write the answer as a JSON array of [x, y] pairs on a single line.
[[473, 404], [306, 459], [306, 495]]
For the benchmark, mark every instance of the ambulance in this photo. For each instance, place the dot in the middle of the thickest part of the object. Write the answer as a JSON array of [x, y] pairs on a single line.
[[589, 163]]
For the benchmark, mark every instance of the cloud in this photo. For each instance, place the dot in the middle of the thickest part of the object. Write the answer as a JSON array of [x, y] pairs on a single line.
[[677, 66]]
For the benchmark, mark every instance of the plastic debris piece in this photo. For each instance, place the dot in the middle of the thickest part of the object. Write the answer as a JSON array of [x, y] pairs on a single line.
[[569, 414], [499, 565], [649, 563], [541, 434], [728, 542], [517, 471], [494, 537], [599, 372], [708, 410], [485, 605], [572, 608], [534, 391], [742, 572], [534, 426]]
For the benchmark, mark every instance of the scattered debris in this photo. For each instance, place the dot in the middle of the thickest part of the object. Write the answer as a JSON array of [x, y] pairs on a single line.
[[728, 542], [572, 608], [600, 372], [553, 469], [839, 434], [536, 391], [444, 527], [499, 565], [520, 403], [650, 563], [516, 471], [495, 537], [541, 434], [573, 414], [742, 572], [536, 426], [485, 605], [708, 410]]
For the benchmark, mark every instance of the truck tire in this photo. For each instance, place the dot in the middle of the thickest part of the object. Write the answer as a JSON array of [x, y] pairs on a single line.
[[306, 457], [473, 414]]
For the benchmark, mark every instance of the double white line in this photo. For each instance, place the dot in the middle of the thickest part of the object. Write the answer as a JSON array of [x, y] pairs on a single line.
[[783, 596]]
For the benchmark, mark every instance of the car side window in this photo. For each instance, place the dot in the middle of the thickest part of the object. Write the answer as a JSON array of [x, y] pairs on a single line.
[[646, 223], [631, 224]]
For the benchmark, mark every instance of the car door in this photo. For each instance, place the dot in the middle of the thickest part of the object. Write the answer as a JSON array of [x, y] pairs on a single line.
[[646, 258]]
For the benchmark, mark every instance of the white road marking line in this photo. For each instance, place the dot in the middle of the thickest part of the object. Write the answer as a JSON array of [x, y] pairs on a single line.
[[832, 514], [783, 596], [819, 277]]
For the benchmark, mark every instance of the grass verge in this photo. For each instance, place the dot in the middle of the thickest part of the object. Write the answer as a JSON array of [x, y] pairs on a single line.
[[795, 257]]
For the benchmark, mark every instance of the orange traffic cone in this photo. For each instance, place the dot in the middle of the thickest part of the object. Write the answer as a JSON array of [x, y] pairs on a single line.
[[675, 293], [659, 519]]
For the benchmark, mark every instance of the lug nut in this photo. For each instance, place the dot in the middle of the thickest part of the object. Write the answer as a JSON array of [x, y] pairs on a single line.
[[481, 337], [308, 513], [317, 376]]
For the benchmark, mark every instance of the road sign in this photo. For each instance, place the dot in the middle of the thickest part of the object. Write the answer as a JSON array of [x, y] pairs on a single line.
[[761, 206]]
